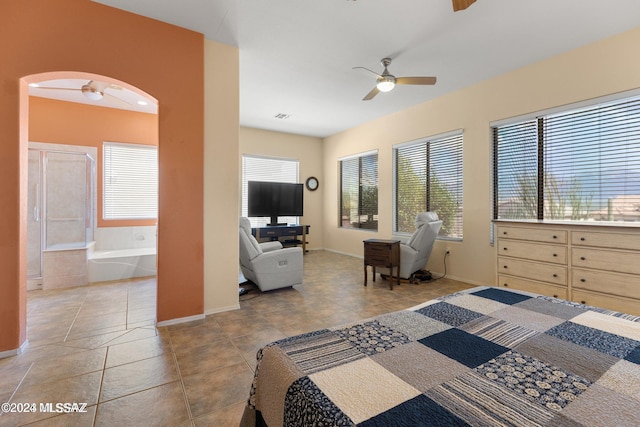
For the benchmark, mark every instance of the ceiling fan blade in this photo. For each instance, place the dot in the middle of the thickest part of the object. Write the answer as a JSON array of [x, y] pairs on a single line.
[[462, 4], [415, 80], [56, 88], [371, 94], [364, 68]]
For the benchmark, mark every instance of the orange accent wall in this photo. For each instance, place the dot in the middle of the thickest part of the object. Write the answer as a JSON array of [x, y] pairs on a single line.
[[70, 123], [71, 38]]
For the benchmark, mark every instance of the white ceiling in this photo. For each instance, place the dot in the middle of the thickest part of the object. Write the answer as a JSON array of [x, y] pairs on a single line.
[[70, 90], [296, 56]]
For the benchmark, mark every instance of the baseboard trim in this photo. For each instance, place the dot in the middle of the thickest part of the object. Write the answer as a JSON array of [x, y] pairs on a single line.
[[15, 351], [222, 309], [180, 320], [344, 253]]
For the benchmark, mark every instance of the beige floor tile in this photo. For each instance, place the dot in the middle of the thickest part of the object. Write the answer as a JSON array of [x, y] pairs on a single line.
[[57, 368], [137, 376], [159, 406], [84, 419], [78, 389], [227, 416], [135, 350], [196, 336], [210, 357], [213, 390]]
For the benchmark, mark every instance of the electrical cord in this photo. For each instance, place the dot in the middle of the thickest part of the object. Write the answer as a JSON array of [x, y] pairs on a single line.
[[444, 261]]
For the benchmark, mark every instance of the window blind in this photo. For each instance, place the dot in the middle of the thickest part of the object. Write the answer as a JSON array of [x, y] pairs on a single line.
[[588, 165], [256, 168], [359, 192], [428, 177], [130, 181]]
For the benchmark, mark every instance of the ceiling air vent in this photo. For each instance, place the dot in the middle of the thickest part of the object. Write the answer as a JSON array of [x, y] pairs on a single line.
[[282, 116]]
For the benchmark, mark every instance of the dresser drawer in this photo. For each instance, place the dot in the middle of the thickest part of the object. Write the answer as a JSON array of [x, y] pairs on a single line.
[[534, 271], [615, 303], [606, 240], [620, 261], [532, 286], [544, 235], [605, 282], [533, 251]]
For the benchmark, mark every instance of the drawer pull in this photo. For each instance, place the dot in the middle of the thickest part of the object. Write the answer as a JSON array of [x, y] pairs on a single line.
[[555, 295], [504, 249], [555, 237], [506, 285], [555, 275], [504, 232], [583, 302], [582, 239], [505, 266], [555, 254], [583, 280], [582, 258]]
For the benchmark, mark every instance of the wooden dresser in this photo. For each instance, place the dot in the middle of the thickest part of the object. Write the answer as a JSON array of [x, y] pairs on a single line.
[[597, 265]]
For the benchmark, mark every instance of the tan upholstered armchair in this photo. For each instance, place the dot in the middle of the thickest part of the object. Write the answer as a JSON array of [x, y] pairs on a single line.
[[268, 265]]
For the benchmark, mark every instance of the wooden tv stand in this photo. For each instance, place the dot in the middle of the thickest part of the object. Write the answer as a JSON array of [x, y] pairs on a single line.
[[278, 231]]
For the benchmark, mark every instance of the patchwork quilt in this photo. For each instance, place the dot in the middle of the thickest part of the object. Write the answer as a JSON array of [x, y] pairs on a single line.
[[482, 357]]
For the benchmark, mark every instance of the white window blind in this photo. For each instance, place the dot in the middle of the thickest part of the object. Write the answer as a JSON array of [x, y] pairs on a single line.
[[578, 165], [255, 168], [130, 181], [359, 192], [428, 177]]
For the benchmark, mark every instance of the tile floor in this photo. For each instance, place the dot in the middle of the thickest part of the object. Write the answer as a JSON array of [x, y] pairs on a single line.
[[98, 345]]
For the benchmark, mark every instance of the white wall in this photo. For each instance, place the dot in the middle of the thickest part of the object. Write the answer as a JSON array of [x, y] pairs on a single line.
[[608, 66]]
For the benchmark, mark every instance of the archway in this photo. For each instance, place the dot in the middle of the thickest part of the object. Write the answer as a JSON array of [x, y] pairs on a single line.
[[68, 234]]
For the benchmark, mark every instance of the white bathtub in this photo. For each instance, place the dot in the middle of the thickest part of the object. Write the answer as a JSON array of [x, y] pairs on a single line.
[[121, 264]]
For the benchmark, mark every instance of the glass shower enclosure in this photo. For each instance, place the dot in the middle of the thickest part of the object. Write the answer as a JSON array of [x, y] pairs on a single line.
[[60, 204]]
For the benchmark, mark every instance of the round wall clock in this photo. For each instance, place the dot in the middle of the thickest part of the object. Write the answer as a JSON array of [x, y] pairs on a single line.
[[312, 183]]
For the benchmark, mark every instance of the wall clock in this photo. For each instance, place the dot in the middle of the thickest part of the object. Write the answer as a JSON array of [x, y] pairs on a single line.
[[312, 183]]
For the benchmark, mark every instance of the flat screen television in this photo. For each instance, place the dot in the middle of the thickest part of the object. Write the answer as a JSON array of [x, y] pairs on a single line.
[[274, 199]]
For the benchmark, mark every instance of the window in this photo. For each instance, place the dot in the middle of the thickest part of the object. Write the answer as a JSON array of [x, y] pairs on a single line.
[[269, 169], [359, 191], [577, 165], [130, 181], [428, 177]]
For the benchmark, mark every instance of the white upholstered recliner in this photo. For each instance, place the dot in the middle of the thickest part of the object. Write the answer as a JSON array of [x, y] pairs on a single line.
[[268, 265], [415, 253]]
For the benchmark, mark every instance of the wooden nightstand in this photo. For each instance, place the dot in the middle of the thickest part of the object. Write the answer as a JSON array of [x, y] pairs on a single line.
[[382, 253]]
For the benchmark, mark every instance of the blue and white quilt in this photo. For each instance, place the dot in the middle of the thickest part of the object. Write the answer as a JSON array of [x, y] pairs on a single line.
[[482, 357]]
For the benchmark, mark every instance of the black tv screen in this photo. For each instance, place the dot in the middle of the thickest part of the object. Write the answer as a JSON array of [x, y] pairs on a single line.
[[274, 199]]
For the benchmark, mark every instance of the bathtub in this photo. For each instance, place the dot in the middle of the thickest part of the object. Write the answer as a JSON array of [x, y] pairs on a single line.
[[121, 264]]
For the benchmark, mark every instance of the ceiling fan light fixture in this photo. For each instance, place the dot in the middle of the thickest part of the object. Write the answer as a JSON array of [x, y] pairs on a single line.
[[92, 93], [386, 83]]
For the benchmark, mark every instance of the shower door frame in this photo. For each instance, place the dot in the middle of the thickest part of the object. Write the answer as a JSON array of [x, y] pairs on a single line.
[[43, 149]]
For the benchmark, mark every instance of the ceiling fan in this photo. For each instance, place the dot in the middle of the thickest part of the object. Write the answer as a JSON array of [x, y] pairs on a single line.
[[387, 81], [93, 90]]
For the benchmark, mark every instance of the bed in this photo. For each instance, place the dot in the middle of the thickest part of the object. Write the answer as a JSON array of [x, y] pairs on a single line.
[[482, 357]]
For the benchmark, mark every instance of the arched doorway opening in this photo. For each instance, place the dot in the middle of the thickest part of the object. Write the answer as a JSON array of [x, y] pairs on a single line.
[[72, 118]]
